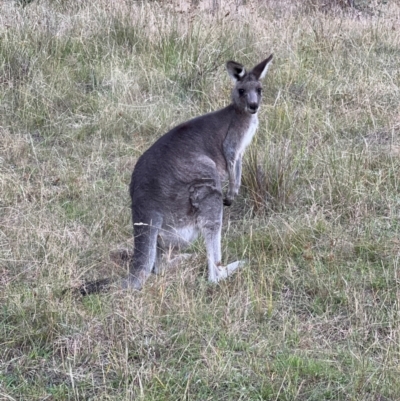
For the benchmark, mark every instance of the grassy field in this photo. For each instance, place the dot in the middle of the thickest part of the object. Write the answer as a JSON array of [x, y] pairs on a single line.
[[85, 88]]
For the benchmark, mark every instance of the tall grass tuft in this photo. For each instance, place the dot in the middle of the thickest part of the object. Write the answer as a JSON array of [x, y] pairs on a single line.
[[270, 177]]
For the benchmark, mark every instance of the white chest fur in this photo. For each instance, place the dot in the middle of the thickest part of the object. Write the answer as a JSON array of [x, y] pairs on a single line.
[[248, 135]]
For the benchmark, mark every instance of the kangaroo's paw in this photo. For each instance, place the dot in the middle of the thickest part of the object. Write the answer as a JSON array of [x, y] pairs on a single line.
[[227, 202]]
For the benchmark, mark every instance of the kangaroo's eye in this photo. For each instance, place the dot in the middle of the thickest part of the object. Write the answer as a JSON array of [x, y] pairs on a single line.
[[241, 92], [259, 91]]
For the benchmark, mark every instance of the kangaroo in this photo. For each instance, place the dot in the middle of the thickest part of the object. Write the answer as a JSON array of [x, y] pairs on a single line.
[[176, 185]]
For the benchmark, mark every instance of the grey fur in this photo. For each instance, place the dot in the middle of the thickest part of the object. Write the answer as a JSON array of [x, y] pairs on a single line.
[[176, 185]]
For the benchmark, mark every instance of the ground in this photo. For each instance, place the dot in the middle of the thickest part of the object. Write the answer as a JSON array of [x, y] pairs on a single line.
[[85, 88]]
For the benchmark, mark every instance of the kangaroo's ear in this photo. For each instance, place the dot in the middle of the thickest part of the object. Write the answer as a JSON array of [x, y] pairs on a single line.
[[235, 70], [260, 70]]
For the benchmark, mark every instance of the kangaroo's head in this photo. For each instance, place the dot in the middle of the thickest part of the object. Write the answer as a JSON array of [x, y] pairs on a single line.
[[246, 95]]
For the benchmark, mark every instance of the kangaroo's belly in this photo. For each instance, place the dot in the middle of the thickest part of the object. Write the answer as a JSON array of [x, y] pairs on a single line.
[[177, 237]]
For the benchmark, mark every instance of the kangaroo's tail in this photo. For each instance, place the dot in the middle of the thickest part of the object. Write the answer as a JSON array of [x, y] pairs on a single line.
[[92, 287]]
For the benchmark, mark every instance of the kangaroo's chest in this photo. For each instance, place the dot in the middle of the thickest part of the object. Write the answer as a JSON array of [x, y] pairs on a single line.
[[248, 134]]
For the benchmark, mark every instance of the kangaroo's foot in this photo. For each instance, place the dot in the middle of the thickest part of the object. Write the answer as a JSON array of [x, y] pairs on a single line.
[[135, 281], [225, 271]]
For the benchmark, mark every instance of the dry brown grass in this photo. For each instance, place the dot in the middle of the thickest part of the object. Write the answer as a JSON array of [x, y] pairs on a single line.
[[85, 88]]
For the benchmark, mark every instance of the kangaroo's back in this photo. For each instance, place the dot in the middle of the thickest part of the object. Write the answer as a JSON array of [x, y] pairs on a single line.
[[172, 155], [176, 186]]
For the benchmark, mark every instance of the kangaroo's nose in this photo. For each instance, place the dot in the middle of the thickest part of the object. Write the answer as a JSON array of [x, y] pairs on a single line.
[[253, 107]]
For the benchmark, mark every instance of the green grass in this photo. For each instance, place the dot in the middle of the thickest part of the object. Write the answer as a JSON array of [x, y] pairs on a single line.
[[85, 88]]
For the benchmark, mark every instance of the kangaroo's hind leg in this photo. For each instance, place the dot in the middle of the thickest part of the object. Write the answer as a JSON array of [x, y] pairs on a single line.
[[207, 199], [145, 249]]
